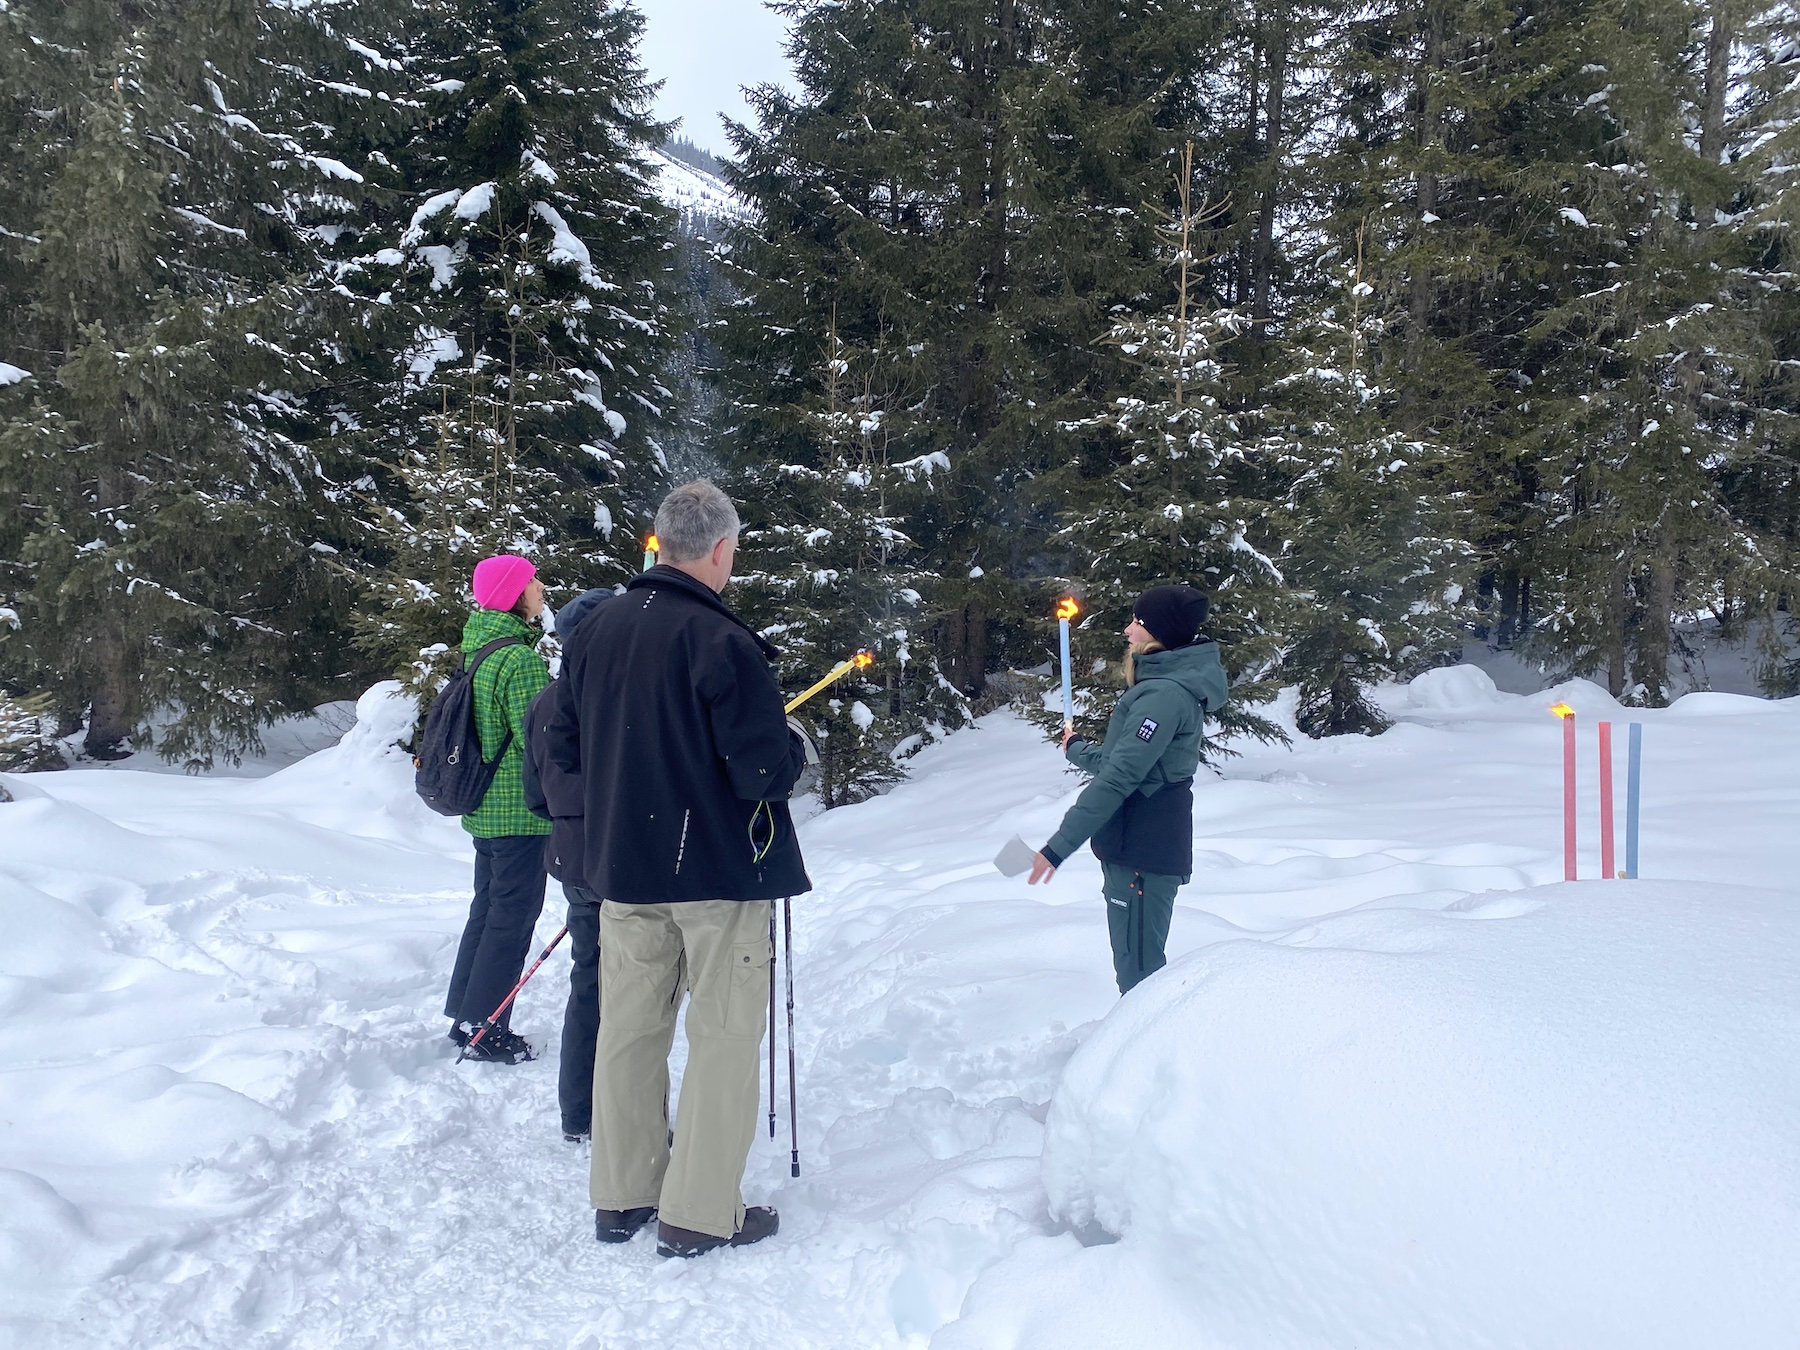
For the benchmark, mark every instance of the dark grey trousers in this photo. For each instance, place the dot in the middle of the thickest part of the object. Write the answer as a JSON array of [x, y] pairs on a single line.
[[1139, 908], [509, 896], [581, 1019]]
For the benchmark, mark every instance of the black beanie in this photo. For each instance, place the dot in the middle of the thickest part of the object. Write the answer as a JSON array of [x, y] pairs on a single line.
[[1173, 614]]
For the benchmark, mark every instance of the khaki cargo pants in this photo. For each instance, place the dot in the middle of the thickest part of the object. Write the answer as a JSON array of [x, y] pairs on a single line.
[[721, 949]]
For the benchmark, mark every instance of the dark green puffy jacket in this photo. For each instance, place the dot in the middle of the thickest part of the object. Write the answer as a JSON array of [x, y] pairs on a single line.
[[1152, 740]]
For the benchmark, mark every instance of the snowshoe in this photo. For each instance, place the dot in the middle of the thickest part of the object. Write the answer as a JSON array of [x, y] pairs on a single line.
[[459, 1034]]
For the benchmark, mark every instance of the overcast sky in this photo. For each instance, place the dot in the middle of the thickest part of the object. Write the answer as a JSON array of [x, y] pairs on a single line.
[[704, 51]]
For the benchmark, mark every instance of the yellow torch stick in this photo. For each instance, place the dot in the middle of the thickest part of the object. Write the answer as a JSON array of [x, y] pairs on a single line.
[[843, 668]]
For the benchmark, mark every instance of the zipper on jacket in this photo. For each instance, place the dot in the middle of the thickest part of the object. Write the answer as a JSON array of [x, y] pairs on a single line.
[[681, 848]]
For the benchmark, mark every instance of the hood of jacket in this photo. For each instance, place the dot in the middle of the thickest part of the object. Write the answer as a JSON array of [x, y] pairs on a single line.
[[569, 617], [485, 625], [1195, 667]]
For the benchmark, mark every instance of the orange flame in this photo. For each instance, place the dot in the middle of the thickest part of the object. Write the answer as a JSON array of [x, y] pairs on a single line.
[[1067, 608], [863, 659], [653, 545], [1563, 710]]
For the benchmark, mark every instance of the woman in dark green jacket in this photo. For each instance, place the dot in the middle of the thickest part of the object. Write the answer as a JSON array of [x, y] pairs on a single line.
[[1138, 811], [509, 838]]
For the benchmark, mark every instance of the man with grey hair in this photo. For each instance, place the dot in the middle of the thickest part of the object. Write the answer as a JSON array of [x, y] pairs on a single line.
[[675, 724]]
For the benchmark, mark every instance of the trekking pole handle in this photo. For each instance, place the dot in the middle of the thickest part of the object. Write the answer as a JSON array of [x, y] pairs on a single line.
[[843, 668], [507, 1002]]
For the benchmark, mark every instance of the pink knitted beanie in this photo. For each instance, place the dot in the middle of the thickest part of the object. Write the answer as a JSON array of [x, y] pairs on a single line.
[[501, 580]]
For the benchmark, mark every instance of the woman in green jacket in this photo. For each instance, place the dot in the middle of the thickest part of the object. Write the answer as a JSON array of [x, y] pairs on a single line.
[[1138, 811], [509, 838]]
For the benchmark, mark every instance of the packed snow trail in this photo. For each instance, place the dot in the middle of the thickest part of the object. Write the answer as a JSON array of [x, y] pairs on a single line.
[[231, 1117]]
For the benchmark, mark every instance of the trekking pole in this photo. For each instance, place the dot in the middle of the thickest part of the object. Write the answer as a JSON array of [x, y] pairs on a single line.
[[843, 668], [787, 923], [506, 1002], [771, 1021]]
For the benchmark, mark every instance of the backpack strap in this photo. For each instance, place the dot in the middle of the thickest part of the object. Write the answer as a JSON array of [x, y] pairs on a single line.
[[482, 654]]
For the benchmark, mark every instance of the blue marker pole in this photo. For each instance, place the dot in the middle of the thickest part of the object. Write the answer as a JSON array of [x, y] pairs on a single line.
[[1634, 778]]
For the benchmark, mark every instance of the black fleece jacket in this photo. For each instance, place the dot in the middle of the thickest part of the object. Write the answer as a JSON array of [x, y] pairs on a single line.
[[674, 725]]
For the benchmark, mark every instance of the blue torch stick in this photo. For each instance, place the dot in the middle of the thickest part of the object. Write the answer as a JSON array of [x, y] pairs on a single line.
[[1067, 609]]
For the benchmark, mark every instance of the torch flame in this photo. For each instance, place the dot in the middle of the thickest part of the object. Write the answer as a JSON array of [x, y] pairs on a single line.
[[864, 659], [653, 545], [1066, 608], [1563, 710]]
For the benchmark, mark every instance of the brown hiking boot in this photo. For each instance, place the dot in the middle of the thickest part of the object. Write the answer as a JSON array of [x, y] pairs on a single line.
[[621, 1225], [760, 1221]]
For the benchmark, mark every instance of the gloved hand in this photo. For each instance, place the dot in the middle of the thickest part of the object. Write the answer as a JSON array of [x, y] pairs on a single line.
[[806, 741]]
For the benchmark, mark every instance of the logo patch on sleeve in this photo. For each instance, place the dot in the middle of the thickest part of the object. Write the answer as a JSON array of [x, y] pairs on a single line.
[[1147, 729]]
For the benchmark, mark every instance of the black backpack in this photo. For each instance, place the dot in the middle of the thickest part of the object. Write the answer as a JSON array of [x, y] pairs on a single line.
[[452, 777]]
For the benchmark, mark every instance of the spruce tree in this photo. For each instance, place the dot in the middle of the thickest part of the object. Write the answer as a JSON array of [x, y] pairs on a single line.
[[1178, 499], [523, 281], [959, 181], [28, 734], [1372, 556], [832, 571], [170, 563], [1641, 359]]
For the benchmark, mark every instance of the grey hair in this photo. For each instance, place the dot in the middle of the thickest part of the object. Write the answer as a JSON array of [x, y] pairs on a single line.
[[693, 518]]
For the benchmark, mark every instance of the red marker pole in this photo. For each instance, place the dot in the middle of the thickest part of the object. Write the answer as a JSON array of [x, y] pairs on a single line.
[[1568, 721], [1606, 802]]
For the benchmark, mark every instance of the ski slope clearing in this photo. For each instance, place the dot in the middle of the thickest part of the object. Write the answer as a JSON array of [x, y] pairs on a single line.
[[1398, 1087], [688, 189]]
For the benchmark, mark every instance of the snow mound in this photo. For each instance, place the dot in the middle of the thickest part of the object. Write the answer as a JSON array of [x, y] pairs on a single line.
[[1559, 1117], [1588, 700], [363, 785], [1451, 687], [1708, 704]]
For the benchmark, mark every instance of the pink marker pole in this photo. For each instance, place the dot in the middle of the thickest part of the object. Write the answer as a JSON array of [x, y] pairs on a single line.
[[1569, 796], [1606, 802]]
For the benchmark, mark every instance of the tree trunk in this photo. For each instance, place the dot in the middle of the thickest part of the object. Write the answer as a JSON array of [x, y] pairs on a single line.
[[1241, 278], [1718, 82], [1419, 307], [1510, 593], [111, 717], [1265, 225], [1618, 610], [1657, 644]]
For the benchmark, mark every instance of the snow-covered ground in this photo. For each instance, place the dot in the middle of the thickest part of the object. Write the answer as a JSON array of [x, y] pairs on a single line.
[[1399, 1086]]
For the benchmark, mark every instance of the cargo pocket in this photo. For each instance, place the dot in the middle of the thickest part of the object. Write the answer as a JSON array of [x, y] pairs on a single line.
[[748, 1002]]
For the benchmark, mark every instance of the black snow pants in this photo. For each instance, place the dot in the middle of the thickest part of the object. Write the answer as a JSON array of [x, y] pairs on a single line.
[[581, 1019], [509, 896], [1139, 908]]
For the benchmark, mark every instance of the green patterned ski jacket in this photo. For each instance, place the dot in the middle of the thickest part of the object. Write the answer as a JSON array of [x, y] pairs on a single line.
[[504, 687]]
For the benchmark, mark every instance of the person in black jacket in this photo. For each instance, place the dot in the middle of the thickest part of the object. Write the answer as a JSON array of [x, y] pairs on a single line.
[[556, 797], [674, 723]]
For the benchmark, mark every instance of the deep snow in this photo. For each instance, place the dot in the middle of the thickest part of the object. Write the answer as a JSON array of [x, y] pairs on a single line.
[[1387, 1093]]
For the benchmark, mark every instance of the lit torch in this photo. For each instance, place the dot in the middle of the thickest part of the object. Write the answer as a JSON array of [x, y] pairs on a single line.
[[1564, 711], [652, 547], [860, 661], [1067, 609]]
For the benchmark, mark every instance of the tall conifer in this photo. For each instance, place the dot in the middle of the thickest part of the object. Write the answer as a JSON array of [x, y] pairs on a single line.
[[170, 560], [523, 277]]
